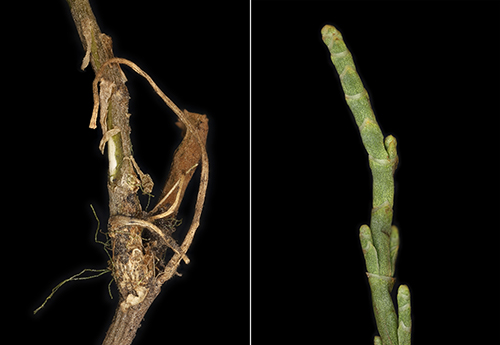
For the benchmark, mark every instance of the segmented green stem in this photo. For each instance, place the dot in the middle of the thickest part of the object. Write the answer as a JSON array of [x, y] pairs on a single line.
[[379, 241]]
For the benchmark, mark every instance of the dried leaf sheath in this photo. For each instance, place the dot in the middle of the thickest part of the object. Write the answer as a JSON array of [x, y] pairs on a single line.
[[186, 156]]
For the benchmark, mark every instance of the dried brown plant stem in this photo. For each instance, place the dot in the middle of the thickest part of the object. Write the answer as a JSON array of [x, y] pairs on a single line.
[[137, 266]]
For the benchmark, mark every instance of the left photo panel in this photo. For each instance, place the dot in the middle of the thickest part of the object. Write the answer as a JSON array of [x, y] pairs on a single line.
[[145, 170]]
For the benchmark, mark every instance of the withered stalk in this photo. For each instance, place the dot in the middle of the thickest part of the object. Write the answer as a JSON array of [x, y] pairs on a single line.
[[138, 265]]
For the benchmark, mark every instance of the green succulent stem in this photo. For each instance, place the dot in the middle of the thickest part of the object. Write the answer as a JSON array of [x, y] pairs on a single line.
[[380, 240]]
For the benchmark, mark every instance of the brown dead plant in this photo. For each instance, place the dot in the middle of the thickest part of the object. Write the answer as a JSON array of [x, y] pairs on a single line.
[[143, 253]]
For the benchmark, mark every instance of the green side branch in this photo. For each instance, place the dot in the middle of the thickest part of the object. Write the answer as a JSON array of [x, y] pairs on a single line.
[[380, 240]]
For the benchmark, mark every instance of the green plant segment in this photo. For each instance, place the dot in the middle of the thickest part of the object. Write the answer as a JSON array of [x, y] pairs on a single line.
[[380, 240]]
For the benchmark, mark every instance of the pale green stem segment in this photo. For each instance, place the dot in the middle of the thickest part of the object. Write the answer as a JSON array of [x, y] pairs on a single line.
[[379, 241], [404, 311]]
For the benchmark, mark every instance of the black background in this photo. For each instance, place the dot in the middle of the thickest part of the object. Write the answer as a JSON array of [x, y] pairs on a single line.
[[431, 69]]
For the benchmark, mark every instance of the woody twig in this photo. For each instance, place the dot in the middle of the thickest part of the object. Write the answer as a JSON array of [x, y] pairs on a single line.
[[139, 240]]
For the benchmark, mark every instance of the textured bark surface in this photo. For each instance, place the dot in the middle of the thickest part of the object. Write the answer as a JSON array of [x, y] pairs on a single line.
[[127, 320]]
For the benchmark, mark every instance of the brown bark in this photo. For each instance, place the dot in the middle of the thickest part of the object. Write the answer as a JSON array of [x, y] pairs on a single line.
[[138, 266], [127, 320]]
